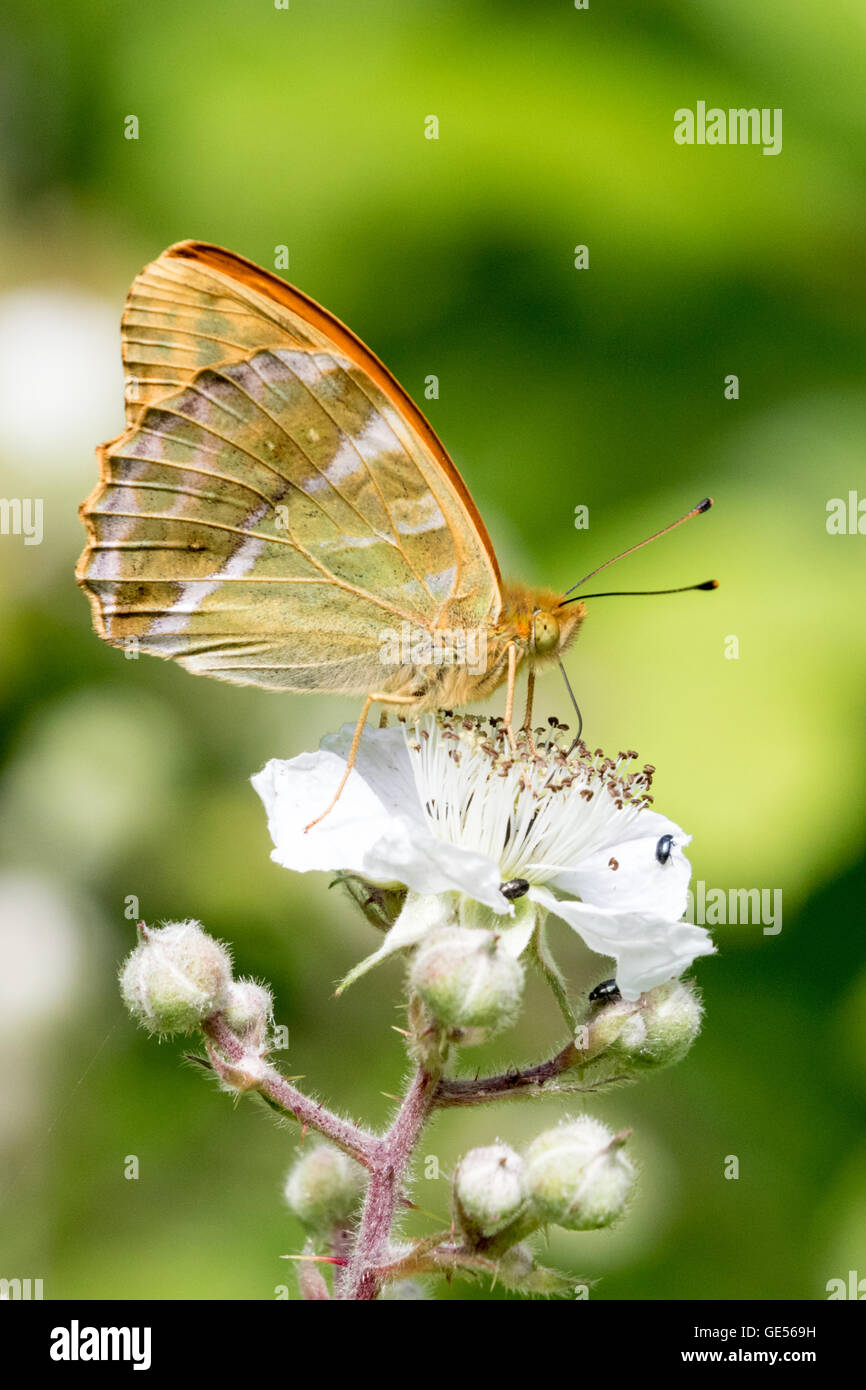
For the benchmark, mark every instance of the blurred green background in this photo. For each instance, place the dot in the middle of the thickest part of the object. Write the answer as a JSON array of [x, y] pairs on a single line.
[[558, 387]]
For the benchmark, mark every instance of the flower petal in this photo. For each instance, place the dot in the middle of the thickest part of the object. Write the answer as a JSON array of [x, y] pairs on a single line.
[[383, 763], [294, 791], [373, 830], [648, 948], [626, 875]]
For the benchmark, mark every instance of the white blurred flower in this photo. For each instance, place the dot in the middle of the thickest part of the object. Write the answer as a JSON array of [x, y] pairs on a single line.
[[46, 960], [61, 805], [42, 952], [445, 808], [61, 382]]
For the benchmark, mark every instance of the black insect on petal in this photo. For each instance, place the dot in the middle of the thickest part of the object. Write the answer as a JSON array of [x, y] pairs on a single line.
[[604, 993], [514, 888], [664, 848]]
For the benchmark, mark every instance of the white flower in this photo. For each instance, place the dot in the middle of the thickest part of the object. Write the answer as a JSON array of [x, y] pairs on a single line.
[[445, 808]]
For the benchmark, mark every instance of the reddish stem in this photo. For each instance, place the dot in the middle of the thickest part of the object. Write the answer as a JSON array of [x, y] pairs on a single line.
[[363, 1279], [357, 1142]]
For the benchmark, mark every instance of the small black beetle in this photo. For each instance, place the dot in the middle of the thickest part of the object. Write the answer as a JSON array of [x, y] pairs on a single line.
[[605, 992], [664, 848], [514, 888]]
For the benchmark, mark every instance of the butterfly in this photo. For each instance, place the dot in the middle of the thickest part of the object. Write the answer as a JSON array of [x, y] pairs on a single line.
[[278, 512]]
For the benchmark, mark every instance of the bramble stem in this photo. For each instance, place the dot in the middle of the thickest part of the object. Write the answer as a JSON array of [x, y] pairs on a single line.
[[362, 1269], [510, 1083], [527, 1082], [363, 1278], [249, 1072]]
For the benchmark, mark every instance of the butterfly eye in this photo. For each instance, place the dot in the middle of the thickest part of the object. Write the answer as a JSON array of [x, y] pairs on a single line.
[[545, 633]]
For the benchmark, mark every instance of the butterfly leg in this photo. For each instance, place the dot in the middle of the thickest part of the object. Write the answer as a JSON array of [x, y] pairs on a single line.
[[356, 741], [527, 718], [509, 698]]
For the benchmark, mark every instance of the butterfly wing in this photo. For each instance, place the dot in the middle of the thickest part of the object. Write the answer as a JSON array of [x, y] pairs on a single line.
[[276, 502]]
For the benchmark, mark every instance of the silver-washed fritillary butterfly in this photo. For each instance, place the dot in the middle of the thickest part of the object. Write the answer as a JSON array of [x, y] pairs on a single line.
[[279, 513]]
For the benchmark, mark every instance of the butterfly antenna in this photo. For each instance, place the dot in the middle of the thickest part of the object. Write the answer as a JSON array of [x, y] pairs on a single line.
[[635, 593], [702, 506], [573, 698]]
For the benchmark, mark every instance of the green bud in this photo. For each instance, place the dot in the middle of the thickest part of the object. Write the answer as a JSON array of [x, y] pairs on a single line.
[[489, 1191], [176, 977], [517, 1269], [516, 1266], [248, 1009], [403, 1291], [468, 980], [663, 1028], [605, 1026], [323, 1188], [578, 1176]]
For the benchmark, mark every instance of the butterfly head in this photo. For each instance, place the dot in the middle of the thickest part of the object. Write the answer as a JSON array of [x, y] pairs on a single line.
[[541, 627], [553, 631]]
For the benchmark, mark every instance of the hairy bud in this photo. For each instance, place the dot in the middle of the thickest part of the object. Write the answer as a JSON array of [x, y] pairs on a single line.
[[404, 1291], [489, 1192], [664, 1027], [516, 1266], [176, 977], [578, 1176], [468, 980], [323, 1188], [248, 1009]]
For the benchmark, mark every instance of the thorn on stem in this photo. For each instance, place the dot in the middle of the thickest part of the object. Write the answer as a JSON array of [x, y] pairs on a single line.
[[318, 1259]]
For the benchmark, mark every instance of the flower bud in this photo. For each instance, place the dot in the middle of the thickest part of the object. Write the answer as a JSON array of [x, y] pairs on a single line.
[[578, 1176], [606, 1022], [663, 1029], [467, 979], [516, 1266], [323, 1188], [489, 1192], [248, 1008], [403, 1291], [311, 1283], [176, 977]]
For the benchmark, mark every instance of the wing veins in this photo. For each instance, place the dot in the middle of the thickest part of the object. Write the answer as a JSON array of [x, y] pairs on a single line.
[[142, 485], [364, 463], [233, 444], [300, 447], [250, 535]]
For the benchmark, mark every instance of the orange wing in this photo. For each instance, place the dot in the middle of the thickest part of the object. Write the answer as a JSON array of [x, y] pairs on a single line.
[[276, 497]]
